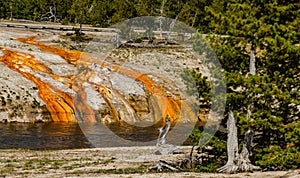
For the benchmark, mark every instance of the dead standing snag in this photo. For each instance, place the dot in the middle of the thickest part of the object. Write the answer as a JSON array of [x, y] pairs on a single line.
[[237, 162], [162, 148]]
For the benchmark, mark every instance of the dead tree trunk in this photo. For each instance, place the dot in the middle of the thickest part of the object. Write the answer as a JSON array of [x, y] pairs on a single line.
[[237, 162], [162, 148], [194, 19], [161, 16], [160, 165], [252, 71], [172, 24], [11, 13], [80, 18], [51, 15]]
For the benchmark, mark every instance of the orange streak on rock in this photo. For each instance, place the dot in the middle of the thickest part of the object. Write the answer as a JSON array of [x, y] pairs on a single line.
[[87, 114], [104, 93], [172, 106], [58, 103], [102, 89], [70, 56], [130, 110]]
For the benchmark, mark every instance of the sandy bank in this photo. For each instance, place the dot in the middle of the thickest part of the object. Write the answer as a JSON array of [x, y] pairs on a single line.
[[101, 162]]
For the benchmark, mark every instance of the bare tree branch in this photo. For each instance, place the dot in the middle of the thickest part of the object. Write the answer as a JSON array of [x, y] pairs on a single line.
[[50, 15], [161, 16], [163, 164]]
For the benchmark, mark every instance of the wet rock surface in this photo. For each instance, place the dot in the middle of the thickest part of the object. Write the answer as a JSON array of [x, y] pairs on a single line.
[[41, 81]]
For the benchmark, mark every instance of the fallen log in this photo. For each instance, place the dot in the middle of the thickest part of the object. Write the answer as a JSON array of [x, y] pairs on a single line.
[[160, 165]]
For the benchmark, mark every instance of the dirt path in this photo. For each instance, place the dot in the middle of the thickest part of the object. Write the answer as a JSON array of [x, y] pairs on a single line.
[[101, 162]]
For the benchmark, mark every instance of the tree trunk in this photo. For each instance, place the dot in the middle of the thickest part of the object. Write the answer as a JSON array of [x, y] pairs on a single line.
[[162, 148], [11, 14], [80, 18], [161, 16], [252, 70], [237, 162]]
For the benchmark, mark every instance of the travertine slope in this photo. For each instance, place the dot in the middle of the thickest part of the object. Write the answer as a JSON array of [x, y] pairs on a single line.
[[41, 81]]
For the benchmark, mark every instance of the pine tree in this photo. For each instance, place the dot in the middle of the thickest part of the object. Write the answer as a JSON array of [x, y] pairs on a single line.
[[122, 10], [147, 7], [271, 29]]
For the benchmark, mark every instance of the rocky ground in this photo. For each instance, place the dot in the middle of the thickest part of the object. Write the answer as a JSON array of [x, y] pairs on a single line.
[[104, 162]]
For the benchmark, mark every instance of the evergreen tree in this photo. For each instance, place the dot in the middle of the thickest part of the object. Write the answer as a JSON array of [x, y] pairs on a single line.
[[271, 29], [147, 7], [122, 10], [193, 14], [99, 13]]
